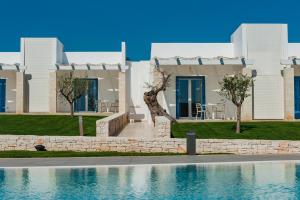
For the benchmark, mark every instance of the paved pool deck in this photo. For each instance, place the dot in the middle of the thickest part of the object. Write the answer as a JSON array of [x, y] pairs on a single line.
[[140, 160]]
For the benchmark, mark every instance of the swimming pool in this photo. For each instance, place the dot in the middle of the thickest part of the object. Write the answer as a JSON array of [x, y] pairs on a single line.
[[261, 180]]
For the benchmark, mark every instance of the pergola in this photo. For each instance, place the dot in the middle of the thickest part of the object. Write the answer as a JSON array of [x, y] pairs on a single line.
[[293, 60], [13, 67], [177, 61], [91, 66]]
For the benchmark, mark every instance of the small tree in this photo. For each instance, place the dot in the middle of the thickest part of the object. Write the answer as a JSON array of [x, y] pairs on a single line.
[[150, 97], [71, 89], [235, 88]]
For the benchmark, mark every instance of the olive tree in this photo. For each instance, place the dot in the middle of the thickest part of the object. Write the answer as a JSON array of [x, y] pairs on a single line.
[[71, 89], [150, 96], [236, 89]]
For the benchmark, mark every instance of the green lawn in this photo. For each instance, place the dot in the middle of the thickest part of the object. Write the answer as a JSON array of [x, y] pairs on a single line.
[[271, 130], [48, 154], [62, 125]]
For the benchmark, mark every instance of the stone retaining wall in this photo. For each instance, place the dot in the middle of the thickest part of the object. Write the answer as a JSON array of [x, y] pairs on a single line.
[[250, 147], [162, 127], [83, 143], [112, 125]]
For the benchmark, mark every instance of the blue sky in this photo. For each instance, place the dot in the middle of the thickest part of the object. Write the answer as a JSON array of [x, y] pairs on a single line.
[[98, 25]]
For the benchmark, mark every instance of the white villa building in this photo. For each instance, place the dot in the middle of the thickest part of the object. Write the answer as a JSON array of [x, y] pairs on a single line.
[[28, 79]]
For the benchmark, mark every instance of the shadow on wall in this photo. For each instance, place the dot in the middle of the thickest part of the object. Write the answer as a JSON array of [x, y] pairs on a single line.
[[136, 112], [65, 58], [133, 115], [26, 92]]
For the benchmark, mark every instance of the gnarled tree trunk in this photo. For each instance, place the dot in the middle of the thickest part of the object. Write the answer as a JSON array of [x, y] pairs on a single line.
[[150, 97]]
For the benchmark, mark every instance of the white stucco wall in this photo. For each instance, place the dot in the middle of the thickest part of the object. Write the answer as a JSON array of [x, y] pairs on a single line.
[[10, 57], [95, 57], [267, 45], [39, 56], [140, 74], [209, 50], [238, 39], [92, 57], [59, 52], [293, 49]]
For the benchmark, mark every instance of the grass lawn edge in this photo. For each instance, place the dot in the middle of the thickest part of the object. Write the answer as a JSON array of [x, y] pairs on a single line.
[[254, 130], [62, 154]]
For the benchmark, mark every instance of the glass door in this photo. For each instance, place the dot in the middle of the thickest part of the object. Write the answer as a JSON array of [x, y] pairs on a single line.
[[89, 101], [297, 96], [79, 105], [2, 94], [197, 94], [92, 95], [189, 91], [182, 95]]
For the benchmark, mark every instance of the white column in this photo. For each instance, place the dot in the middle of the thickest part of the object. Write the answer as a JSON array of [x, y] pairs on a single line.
[[288, 81], [247, 107], [190, 98], [123, 93], [52, 92], [20, 92]]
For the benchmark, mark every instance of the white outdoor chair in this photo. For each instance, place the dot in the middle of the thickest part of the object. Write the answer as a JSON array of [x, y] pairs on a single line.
[[200, 109], [114, 107], [103, 106]]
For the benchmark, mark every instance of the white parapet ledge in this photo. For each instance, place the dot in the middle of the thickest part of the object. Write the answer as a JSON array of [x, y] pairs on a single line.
[[12, 67], [291, 61], [177, 61], [89, 66]]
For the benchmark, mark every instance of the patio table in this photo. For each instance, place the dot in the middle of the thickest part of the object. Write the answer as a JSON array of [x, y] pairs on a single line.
[[212, 105]]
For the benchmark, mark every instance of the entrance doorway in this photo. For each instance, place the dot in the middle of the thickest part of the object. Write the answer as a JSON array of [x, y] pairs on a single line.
[[88, 102], [2, 94], [297, 96], [189, 91]]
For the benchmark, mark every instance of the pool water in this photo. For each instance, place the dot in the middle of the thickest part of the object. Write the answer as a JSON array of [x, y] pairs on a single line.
[[276, 180]]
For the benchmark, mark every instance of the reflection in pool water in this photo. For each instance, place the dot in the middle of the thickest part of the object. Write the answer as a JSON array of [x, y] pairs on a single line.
[[214, 181]]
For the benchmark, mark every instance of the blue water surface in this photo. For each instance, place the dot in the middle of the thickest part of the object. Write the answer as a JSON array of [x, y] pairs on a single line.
[[212, 181]]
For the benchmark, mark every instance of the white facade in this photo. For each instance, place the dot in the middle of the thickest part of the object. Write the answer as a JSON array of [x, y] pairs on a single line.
[[261, 50], [264, 46], [267, 45]]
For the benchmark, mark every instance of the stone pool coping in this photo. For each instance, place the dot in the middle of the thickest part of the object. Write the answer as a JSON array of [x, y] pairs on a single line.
[[140, 160]]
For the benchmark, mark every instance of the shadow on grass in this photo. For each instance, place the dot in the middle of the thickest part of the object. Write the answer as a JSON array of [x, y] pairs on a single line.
[[246, 127]]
